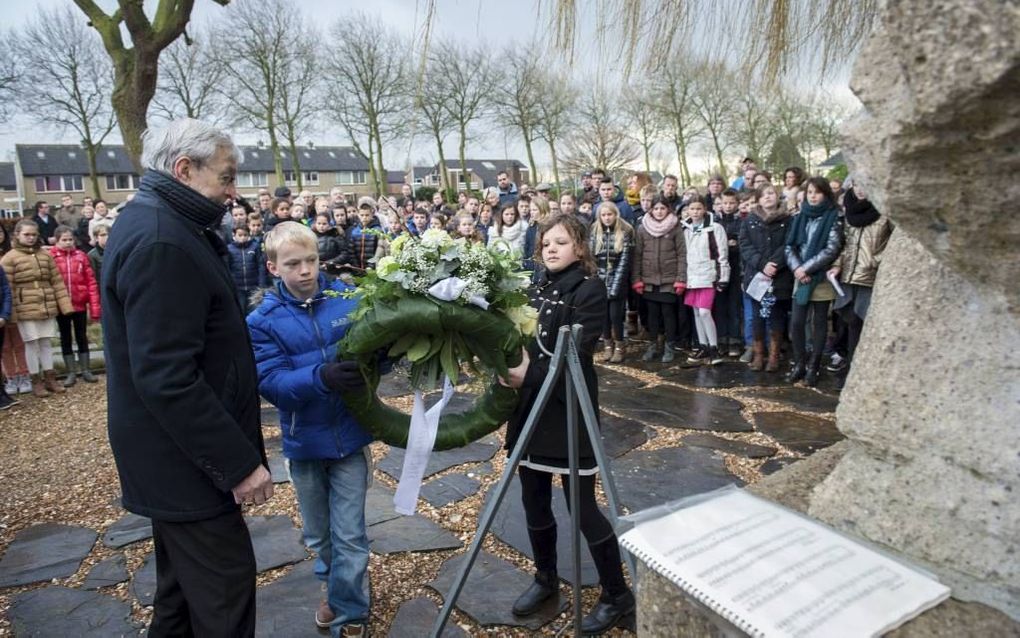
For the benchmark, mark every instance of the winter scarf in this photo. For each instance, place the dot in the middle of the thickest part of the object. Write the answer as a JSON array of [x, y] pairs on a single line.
[[189, 204], [632, 196], [798, 239], [779, 213], [510, 234], [656, 228], [861, 212]]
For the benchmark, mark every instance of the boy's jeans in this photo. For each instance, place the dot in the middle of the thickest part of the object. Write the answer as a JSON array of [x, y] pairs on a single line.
[[331, 494]]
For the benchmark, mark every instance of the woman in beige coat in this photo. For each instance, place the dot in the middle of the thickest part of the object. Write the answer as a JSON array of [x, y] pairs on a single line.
[[39, 295]]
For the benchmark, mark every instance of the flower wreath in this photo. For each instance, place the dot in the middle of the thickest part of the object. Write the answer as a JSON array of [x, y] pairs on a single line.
[[442, 303]]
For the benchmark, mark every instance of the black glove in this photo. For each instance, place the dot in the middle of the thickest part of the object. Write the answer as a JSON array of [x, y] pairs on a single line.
[[721, 286], [343, 376]]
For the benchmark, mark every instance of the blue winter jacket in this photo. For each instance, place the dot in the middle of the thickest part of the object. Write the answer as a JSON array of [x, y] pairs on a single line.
[[292, 340], [247, 265], [5, 297], [626, 210]]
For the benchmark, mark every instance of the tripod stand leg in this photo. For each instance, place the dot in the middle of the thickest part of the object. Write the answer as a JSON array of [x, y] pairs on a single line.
[[575, 493]]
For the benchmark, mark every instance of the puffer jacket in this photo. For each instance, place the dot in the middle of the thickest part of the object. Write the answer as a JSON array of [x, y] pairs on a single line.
[[38, 291], [5, 297], [762, 242], [613, 265], [76, 270], [703, 269], [732, 224], [659, 261], [247, 265], [292, 339], [333, 247], [828, 254], [862, 252], [364, 244]]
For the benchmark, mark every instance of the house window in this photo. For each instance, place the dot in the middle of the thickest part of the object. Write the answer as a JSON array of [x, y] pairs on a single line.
[[59, 184], [311, 178], [252, 180], [346, 178], [121, 182]]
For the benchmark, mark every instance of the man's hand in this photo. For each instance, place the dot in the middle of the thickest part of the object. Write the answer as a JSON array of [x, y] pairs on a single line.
[[638, 287], [770, 269], [342, 376], [802, 276], [255, 489], [516, 379]]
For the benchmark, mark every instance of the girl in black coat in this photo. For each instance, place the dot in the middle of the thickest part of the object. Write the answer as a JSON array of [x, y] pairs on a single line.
[[612, 242], [567, 292], [763, 250]]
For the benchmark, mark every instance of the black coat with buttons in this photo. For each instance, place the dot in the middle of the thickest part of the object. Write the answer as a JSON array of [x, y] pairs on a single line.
[[562, 299]]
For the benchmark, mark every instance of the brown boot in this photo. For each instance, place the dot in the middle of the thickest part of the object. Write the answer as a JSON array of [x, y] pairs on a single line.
[[50, 381], [607, 350], [775, 343], [618, 353], [758, 361], [39, 387]]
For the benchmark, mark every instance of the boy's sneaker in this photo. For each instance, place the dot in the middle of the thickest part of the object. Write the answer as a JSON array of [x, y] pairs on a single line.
[[698, 356], [6, 401], [734, 350], [714, 356], [354, 630], [748, 355], [24, 384], [324, 615], [836, 363], [11, 387]]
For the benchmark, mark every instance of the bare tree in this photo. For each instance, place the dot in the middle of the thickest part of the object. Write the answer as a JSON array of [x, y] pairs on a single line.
[[793, 116], [644, 122], [825, 118], [516, 97], [468, 77], [251, 50], [679, 113], [68, 82], [601, 139], [187, 83], [367, 93], [136, 67], [10, 73], [555, 100], [712, 104], [752, 123], [300, 73], [432, 114]]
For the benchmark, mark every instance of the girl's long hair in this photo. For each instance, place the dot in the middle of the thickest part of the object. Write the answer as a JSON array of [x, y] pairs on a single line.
[[619, 232], [497, 220], [577, 232]]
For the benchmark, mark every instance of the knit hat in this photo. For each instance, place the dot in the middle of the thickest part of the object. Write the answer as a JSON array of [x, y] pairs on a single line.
[[366, 202], [281, 191]]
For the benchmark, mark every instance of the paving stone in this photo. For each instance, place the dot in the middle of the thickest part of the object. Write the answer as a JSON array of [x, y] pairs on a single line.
[[727, 375], [772, 466], [415, 619], [620, 435], [394, 385], [131, 528], [44, 552], [510, 527], [143, 583], [804, 399], [481, 450], [798, 432], [277, 462], [739, 448], [107, 572], [649, 478], [410, 534], [611, 379], [379, 505], [482, 470], [489, 593], [275, 540], [270, 416], [61, 611], [454, 487], [669, 406], [286, 607]]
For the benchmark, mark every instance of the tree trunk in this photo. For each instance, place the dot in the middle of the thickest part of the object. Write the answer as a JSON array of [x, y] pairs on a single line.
[[531, 153], [90, 152], [463, 162], [372, 176], [296, 163], [381, 173], [444, 177], [718, 155], [134, 85], [556, 166], [648, 160]]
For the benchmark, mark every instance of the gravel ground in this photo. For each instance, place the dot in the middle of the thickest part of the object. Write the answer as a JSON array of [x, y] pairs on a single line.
[[56, 466]]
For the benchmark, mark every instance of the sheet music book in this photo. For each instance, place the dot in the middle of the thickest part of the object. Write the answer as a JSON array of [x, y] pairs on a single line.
[[773, 572]]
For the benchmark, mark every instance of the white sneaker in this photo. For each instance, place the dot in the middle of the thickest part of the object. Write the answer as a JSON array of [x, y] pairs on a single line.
[[11, 387], [24, 384]]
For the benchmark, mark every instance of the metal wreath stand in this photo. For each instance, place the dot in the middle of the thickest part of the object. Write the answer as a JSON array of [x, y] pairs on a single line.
[[576, 392]]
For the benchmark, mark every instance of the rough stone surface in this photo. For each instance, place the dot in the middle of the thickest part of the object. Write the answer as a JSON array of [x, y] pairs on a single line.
[[143, 583], [620, 435], [739, 448], [277, 462], [45, 551], [649, 478], [275, 540], [803, 399], [798, 432], [490, 591], [773, 465], [107, 572], [60, 611], [669, 406], [448, 489], [510, 527], [481, 450], [415, 619], [410, 534], [129, 529], [285, 608], [729, 375], [379, 505]]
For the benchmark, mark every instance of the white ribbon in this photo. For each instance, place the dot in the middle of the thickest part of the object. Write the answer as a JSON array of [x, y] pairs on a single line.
[[420, 439], [453, 287]]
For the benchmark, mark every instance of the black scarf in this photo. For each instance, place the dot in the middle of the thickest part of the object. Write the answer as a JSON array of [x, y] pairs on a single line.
[[861, 212], [189, 204]]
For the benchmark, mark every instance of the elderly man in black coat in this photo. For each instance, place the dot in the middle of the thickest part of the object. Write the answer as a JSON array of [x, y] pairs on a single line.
[[182, 385]]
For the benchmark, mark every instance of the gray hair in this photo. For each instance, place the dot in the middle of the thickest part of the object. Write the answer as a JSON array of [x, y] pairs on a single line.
[[186, 137]]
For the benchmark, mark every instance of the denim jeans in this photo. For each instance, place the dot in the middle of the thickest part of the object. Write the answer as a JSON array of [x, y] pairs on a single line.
[[749, 321], [331, 495]]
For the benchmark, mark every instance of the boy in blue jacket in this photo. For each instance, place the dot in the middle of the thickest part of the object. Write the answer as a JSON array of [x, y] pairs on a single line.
[[247, 266], [295, 330]]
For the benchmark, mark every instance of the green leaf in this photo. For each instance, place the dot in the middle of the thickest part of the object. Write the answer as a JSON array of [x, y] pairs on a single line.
[[420, 349], [402, 345], [449, 361]]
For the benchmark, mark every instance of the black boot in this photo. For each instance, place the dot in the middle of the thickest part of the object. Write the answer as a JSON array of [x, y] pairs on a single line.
[[547, 583], [813, 368], [616, 604]]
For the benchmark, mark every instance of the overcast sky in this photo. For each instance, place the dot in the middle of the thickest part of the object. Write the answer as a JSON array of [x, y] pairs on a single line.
[[495, 22]]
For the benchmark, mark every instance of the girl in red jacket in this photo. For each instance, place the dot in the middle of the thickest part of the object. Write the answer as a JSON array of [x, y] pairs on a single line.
[[76, 270]]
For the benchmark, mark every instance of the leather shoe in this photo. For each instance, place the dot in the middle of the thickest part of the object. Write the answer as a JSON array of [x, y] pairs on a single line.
[[544, 587], [609, 613]]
